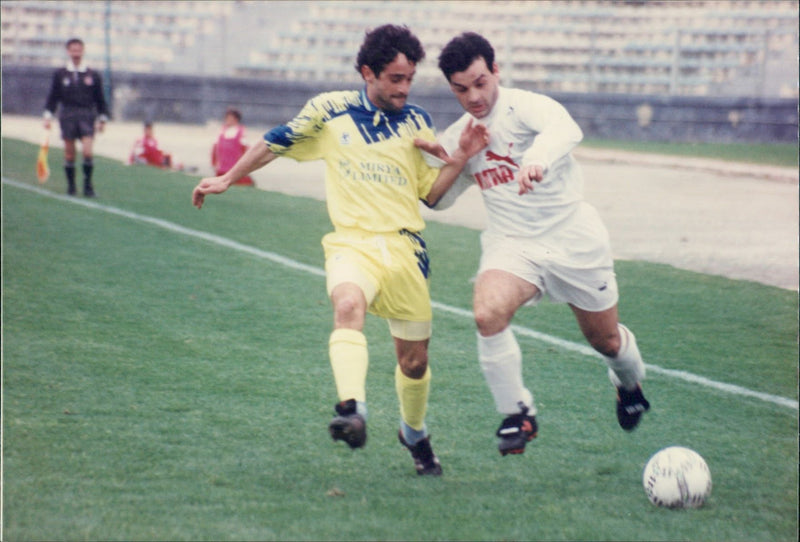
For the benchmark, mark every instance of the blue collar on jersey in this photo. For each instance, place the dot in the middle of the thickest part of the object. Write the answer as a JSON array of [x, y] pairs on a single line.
[[368, 105], [371, 107], [376, 124]]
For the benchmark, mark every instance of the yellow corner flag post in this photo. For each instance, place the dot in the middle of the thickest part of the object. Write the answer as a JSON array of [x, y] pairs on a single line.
[[42, 168]]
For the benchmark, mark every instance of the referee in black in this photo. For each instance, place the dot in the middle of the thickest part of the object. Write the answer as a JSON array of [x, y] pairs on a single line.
[[79, 90]]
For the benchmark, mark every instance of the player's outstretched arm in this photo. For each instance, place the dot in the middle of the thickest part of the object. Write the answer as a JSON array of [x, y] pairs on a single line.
[[433, 147], [474, 138], [256, 157]]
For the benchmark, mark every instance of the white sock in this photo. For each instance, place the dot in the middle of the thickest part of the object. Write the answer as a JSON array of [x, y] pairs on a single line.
[[501, 362], [626, 369]]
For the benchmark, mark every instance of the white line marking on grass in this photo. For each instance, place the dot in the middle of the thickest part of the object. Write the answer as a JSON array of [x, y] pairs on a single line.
[[292, 264], [171, 226], [590, 352]]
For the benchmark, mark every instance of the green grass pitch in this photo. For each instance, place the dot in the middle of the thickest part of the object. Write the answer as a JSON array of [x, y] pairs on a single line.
[[773, 154], [157, 386]]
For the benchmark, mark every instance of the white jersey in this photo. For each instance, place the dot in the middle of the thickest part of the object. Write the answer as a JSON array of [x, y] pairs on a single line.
[[525, 128]]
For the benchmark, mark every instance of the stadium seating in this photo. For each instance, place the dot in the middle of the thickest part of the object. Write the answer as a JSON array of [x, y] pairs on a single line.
[[691, 48]]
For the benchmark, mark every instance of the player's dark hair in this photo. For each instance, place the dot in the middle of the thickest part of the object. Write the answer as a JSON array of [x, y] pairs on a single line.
[[235, 113], [462, 51], [381, 46], [73, 40]]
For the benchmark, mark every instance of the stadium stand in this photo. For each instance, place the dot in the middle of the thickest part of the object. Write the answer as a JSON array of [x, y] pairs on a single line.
[[145, 36], [688, 48]]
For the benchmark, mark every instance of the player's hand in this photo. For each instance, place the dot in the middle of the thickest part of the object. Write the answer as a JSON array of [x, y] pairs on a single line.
[[47, 124], [101, 125], [209, 185], [474, 138], [434, 148], [527, 176]]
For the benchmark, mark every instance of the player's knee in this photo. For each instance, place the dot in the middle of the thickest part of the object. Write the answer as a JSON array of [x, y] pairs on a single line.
[[606, 344], [490, 320], [348, 311], [414, 364]]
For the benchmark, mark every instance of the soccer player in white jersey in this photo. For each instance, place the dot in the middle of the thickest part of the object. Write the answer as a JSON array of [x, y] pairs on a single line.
[[376, 259], [542, 238]]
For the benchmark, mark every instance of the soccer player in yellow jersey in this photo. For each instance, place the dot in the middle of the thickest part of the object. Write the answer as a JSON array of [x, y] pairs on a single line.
[[376, 259]]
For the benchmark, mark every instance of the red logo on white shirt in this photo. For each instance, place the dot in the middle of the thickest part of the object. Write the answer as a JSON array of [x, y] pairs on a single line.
[[498, 158], [500, 174]]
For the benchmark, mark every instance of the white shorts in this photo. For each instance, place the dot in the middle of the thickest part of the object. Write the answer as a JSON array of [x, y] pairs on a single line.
[[571, 264]]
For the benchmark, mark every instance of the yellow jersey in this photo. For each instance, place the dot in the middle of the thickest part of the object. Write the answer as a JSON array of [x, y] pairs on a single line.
[[375, 176]]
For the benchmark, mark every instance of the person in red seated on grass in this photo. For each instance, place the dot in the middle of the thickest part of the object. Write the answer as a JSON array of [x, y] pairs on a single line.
[[230, 146], [146, 151]]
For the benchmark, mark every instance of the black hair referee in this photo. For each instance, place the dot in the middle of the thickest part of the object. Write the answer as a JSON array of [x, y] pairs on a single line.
[[79, 90]]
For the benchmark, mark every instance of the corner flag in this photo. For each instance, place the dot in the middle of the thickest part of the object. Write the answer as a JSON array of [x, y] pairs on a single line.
[[42, 168]]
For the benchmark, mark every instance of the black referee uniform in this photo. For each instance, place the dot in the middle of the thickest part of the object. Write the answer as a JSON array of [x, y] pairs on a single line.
[[80, 93]]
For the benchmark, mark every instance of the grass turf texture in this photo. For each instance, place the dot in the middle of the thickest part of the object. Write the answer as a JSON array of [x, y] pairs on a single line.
[[160, 387], [774, 154]]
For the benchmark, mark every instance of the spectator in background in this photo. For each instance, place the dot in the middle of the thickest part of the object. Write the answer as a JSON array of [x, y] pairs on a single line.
[[146, 151], [230, 146], [79, 90]]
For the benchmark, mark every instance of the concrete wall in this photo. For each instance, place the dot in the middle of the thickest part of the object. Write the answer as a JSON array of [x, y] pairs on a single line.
[[197, 100]]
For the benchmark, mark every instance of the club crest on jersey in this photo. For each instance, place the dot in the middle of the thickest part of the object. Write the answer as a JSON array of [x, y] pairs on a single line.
[[88, 80], [502, 173], [344, 139]]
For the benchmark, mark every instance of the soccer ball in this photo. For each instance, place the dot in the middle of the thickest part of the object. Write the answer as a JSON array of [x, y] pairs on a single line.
[[677, 477]]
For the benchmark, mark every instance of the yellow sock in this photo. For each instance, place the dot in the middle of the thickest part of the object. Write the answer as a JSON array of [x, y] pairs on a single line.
[[349, 359], [413, 396]]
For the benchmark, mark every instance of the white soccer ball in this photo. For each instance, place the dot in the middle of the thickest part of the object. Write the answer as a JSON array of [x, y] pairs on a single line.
[[677, 477]]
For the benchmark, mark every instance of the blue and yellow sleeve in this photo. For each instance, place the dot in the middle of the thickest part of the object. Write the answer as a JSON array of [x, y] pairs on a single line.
[[299, 139]]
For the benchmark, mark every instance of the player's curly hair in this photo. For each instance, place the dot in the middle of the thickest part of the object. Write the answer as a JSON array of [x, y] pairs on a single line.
[[462, 51], [381, 46]]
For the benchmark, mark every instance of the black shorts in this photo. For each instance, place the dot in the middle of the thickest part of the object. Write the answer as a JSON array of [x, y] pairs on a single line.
[[76, 125]]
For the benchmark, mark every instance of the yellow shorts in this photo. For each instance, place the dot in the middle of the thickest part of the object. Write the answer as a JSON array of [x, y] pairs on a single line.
[[391, 269]]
